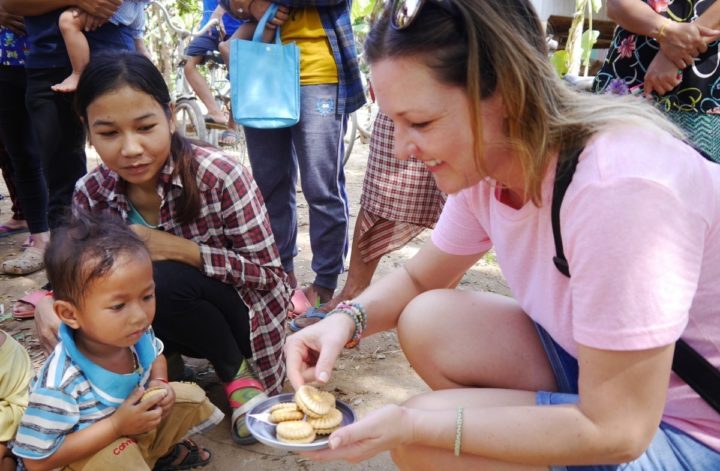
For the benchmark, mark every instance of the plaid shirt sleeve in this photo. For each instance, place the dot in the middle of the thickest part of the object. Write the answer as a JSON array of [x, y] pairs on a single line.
[[250, 257], [238, 248]]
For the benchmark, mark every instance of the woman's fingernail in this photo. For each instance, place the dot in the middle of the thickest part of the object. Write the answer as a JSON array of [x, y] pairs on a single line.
[[324, 376], [334, 442]]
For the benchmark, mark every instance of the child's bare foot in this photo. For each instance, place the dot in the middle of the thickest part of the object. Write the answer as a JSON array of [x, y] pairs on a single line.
[[68, 85]]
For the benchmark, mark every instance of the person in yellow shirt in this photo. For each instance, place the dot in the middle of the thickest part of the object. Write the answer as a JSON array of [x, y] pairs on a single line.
[[330, 89], [15, 375]]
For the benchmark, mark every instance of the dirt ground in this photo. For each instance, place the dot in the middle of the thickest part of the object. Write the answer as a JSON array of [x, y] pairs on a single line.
[[368, 377]]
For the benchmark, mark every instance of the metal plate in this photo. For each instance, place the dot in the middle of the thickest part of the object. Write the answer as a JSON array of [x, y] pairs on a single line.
[[258, 423]]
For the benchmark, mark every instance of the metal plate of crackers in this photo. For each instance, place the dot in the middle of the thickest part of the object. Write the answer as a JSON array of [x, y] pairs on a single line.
[[298, 422]]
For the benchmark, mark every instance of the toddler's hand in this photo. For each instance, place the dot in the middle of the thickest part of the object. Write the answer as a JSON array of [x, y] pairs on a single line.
[[168, 401], [135, 418]]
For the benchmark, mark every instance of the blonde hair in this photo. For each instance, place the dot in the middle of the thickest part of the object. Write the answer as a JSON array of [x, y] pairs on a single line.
[[499, 45]]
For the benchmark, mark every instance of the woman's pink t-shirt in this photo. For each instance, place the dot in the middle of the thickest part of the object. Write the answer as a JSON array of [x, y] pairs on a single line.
[[641, 232]]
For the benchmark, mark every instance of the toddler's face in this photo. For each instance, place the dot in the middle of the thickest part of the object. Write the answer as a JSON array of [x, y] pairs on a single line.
[[119, 307]]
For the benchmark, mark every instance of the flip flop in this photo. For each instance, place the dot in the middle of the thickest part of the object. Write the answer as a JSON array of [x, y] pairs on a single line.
[[239, 411], [311, 313], [300, 304], [8, 231], [24, 308], [228, 138]]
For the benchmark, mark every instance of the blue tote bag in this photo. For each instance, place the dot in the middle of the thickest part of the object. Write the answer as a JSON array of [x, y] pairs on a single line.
[[265, 80]]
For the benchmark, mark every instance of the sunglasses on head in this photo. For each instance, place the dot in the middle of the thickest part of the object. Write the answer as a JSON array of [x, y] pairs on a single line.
[[404, 12]]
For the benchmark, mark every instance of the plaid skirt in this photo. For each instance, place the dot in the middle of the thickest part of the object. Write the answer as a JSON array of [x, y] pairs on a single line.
[[399, 198]]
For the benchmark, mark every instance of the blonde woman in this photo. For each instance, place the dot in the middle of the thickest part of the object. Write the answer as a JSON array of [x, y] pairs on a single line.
[[574, 371]]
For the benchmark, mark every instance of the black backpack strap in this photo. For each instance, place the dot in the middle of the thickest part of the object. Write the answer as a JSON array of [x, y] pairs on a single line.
[[688, 364], [567, 163], [698, 373]]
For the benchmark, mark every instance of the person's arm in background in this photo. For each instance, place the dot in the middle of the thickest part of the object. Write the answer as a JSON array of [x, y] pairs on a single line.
[[217, 14], [662, 75], [12, 22], [101, 8], [680, 42]]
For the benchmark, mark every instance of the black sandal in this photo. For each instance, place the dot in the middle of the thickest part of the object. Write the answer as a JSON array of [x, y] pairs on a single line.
[[191, 460]]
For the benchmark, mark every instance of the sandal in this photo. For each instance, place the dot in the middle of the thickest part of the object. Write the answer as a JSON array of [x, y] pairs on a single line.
[[240, 410], [229, 138], [30, 261], [24, 308], [192, 458], [311, 316], [6, 230], [300, 304]]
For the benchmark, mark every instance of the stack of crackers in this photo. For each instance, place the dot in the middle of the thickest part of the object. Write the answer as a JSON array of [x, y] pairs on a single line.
[[315, 406]]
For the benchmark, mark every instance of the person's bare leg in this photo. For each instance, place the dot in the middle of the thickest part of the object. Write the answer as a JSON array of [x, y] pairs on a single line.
[[360, 273], [7, 462], [200, 86], [71, 26], [485, 353]]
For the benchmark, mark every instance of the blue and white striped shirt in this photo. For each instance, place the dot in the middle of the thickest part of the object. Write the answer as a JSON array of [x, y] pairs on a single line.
[[71, 393]]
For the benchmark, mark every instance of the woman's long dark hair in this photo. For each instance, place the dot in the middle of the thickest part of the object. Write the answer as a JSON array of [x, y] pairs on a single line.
[[109, 72]]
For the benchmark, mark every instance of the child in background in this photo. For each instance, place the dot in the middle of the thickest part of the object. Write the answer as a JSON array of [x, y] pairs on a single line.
[[131, 13], [86, 410], [15, 375]]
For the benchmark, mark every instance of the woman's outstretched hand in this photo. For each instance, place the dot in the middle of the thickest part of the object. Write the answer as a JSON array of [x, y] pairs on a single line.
[[311, 353], [384, 429]]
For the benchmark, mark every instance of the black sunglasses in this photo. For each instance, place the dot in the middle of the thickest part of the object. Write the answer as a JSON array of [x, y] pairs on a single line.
[[404, 12]]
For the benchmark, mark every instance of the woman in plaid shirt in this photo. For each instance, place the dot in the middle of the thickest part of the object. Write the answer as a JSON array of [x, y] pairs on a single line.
[[221, 291]]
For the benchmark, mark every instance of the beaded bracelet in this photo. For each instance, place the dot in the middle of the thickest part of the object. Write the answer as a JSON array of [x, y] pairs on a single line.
[[458, 430], [357, 313]]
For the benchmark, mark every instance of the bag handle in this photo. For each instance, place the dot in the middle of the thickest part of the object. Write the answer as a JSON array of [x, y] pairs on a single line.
[[267, 16]]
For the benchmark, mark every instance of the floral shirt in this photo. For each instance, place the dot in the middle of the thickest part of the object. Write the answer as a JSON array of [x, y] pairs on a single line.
[[235, 239], [13, 48], [630, 55]]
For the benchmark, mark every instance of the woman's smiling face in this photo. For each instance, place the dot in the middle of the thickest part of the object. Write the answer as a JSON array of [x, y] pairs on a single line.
[[433, 123], [131, 132]]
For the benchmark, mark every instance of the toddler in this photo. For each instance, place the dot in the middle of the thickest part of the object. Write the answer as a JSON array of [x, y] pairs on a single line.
[[85, 408], [15, 375], [131, 13]]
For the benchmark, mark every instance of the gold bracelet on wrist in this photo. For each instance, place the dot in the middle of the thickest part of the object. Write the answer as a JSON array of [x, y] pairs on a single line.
[[661, 31]]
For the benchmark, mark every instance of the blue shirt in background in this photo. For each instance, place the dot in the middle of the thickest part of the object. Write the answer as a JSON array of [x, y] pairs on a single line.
[[47, 48], [229, 22]]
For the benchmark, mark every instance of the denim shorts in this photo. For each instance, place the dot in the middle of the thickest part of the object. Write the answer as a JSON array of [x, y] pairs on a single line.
[[671, 449], [204, 44]]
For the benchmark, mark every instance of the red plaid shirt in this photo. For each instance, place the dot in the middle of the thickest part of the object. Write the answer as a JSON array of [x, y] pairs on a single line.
[[236, 243]]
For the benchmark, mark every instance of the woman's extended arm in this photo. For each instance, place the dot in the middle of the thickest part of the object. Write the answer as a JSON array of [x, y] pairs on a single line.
[[312, 352], [622, 396]]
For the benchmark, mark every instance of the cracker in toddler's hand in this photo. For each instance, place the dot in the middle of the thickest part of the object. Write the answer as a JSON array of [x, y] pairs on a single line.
[[153, 393]]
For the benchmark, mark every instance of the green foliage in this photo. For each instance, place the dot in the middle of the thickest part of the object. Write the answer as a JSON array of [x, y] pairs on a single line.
[[361, 10], [589, 38], [185, 7], [561, 61]]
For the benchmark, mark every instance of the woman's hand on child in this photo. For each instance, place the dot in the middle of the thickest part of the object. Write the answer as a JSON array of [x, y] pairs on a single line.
[[168, 401], [134, 417]]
